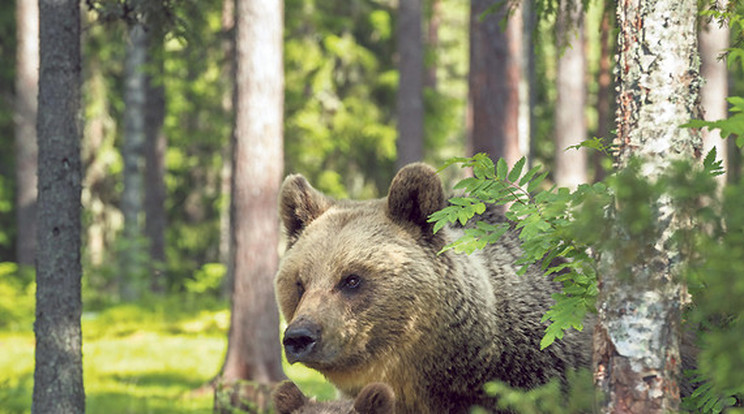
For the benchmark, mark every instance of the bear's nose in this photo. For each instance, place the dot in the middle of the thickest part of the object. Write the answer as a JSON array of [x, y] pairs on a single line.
[[300, 339]]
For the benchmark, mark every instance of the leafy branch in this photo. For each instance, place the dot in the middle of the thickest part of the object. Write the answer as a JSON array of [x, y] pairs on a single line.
[[542, 219]]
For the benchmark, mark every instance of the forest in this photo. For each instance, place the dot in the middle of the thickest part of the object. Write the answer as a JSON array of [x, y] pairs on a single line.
[[145, 142]]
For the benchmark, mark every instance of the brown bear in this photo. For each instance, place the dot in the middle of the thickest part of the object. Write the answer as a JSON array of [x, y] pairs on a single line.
[[375, 398], [368, 299]]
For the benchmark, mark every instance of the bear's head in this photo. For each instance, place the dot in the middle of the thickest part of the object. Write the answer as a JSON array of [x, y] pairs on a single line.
[[375, 398], [358, 277]]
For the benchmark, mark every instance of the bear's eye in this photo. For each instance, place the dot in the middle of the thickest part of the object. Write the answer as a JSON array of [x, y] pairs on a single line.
[[300, 288], [351, 282]]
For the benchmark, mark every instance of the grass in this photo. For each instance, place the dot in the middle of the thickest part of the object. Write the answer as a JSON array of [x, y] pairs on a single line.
[[152, 358]]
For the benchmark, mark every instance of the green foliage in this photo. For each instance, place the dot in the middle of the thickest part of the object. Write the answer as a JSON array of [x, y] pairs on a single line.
[[340, 94], [208, 279], [577, 396], [17, 297], [543, 222], [567, 232], [731, 126]]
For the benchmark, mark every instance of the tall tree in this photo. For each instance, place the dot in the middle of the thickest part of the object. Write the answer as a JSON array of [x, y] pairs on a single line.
[[410, 99], [658, 78], [495, 75], [570, 123], [132, 152], [604, 84], [26, 90], [254, 351], [713, 41], [58, 372], [154, 153], [432, 42]]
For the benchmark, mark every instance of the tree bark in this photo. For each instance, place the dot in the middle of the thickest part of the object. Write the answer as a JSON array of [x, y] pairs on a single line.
[[604, 93], [254, 351], [570, 123], [58, 373], [494, 79], [432, 43], [26, 91], [410, 99], [132, 207], [714, 40], [228, 70], [154, 153], [636, 339]]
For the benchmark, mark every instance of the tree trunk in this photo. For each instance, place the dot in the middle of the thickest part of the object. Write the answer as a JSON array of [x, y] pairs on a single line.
[[636, 339], [495, 75], [26, 90], [714, 40], [131, 260], [410, 104], [58, 373], [254, 351], [228, 71], [570, 124], [604, 93], [432, 43], [155, 146]]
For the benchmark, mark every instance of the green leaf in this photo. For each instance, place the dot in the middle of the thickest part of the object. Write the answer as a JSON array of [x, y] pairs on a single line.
[[536, 182], [517, 170], [501, 169], [527, 177]]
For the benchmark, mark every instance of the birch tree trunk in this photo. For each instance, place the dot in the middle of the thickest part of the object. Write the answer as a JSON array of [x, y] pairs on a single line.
[[570, 123], [410, 98], [254, 351], [637, 337], [714, 40], [26, 91], [58, 372]]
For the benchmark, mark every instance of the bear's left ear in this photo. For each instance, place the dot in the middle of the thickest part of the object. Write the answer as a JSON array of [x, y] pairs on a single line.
[[287, 398], [299, 205], [375, 398], [415, 193]]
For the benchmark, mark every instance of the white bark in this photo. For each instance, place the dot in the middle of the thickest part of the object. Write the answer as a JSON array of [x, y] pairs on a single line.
[[636, 348], [714, 40], [570, 123]]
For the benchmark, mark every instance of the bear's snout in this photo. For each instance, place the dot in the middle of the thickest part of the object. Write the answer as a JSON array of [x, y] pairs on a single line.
[[300, 340]]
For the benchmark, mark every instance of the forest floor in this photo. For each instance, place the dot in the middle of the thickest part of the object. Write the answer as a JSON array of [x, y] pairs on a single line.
[[156, 357]]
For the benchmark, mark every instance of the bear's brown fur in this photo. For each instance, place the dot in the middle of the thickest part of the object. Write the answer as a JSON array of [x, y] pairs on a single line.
[[375, 398], [367, 299]]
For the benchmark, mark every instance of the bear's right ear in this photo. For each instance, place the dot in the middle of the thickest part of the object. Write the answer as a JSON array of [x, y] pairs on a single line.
[[375, 398], [299, 205], [415, 193], [287, 398]]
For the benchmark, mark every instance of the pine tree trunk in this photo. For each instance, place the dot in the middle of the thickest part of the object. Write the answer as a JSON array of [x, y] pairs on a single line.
[[604, 94], [228, 71], [26, 90], [494, 79], [58, 373], [637, 337], [714, 40], [155, 146], [132, 206], [410, 104], [254, 351], [432, 43], [570, 123]]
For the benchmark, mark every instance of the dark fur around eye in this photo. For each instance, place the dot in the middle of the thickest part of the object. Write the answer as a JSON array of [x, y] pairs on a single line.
[[300, 288], [350, 282]]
